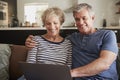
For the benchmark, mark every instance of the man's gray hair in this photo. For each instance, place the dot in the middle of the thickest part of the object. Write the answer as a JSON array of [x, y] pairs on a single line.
[[81, 6]]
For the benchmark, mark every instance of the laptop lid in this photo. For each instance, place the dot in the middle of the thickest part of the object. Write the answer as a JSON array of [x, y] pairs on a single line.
[[34, 71]]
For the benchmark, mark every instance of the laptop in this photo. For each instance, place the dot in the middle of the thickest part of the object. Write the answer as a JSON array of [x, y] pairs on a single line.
[[34, 71]]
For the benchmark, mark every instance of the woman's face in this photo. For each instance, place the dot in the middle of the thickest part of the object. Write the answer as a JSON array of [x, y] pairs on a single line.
[[52, 25]]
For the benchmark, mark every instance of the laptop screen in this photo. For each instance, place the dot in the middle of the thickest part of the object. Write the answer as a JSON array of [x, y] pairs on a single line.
[[34, 71]]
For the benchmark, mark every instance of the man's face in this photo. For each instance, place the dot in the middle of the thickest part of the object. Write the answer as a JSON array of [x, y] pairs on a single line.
[[84, 21]]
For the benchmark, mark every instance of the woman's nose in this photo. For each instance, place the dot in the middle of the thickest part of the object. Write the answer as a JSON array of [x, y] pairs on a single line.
[[52, 26]]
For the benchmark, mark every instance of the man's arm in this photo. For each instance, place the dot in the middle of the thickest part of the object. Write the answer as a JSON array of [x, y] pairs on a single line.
[[29, 43], [101, 64]]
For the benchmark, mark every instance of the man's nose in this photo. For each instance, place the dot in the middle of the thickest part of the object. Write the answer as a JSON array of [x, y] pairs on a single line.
[[81, 21]]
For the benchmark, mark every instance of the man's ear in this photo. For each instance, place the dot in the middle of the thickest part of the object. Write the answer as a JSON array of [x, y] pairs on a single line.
[[93, 17]]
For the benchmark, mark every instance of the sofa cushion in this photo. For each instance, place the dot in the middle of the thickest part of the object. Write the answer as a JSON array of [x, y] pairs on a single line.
[[118, 64], [18, 53], [4, 61]]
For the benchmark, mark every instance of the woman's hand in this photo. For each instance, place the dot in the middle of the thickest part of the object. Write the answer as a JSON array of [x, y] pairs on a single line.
[[29, 43]]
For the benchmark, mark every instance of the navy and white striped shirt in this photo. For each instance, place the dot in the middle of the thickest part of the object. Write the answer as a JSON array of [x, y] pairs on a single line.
[[51, 52]]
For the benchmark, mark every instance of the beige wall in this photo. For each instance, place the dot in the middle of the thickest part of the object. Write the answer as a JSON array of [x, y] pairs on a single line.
[[103, 9]]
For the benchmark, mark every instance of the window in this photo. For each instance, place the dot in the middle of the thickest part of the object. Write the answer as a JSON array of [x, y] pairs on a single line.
[[33, 12]]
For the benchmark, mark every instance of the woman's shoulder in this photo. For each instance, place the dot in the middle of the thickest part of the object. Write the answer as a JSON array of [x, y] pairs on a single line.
[[37, 37], [67, 41]]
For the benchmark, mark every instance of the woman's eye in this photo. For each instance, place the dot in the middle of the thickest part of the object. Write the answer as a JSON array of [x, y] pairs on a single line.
[[48, 23], [55, 23]]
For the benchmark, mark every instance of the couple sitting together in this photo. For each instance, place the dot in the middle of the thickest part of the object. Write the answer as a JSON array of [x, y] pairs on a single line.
[[90, 53]]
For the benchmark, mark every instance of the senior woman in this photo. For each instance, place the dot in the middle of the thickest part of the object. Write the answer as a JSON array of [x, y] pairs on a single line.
[[51, 47]]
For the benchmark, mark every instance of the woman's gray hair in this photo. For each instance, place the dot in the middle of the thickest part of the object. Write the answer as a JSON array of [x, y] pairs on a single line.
[[54, 11], [81, 6]]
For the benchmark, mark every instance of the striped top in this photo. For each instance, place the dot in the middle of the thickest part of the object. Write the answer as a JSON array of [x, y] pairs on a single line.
[[50, 52]]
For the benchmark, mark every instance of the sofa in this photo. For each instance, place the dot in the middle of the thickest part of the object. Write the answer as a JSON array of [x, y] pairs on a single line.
[[13, 54], [18, 53], [10, 55]]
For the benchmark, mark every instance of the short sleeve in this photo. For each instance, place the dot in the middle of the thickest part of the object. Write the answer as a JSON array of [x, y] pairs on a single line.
[[110, 42]]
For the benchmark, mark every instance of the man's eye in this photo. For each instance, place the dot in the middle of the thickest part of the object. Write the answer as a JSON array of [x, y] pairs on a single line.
[[84, 18], [76, 19]]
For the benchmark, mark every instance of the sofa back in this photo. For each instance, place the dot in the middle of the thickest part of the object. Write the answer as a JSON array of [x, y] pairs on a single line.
[[18, 53]]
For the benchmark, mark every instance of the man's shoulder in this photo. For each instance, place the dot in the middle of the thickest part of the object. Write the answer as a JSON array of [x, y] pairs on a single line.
[[106, 31], [75, 34]]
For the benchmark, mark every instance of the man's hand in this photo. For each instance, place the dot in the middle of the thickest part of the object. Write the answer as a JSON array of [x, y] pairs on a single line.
[[29, 43]]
